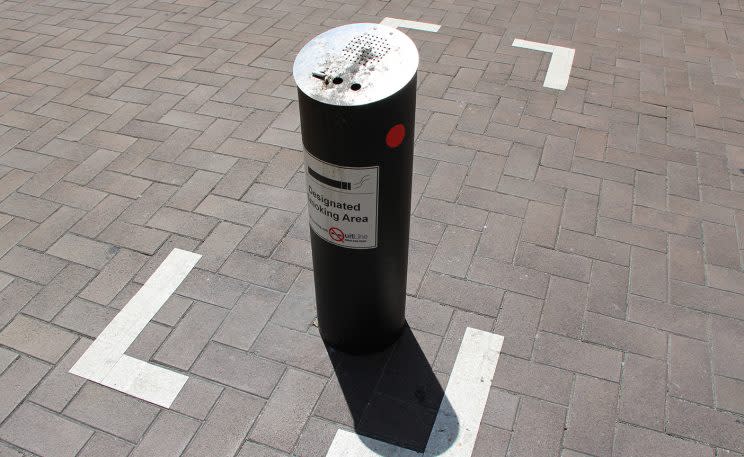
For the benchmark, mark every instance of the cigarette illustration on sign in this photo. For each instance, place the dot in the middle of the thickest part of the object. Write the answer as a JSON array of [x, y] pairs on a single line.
[[342, 203]]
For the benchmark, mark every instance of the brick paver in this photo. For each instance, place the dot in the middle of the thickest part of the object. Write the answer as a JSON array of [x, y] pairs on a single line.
[[600, 229]]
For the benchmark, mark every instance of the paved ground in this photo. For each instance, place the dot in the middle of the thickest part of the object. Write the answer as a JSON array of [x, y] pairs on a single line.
[[599, 229]]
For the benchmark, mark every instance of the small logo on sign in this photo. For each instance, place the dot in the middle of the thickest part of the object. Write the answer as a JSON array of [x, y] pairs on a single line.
[[336, 234]]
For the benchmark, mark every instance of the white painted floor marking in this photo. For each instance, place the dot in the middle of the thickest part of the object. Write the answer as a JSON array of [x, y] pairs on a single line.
[[561, 61], [105, 363], [458, 420], [406, 24]]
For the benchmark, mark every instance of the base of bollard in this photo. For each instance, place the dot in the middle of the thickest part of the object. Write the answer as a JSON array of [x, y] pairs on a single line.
[[367, 344]]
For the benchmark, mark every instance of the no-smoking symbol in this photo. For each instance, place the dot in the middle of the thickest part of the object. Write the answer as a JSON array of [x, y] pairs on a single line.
[[336, 234]]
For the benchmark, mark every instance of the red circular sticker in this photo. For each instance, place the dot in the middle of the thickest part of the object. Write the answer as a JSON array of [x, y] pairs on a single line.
[[395, 135], [336, 234]]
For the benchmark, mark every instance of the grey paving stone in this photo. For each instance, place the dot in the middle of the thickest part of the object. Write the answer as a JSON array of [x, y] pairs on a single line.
[[689, 373], [275, 197], [499, 238], [183, 223], [517, 322], [6, 358], [34, 428], [593, 247], [231, 210], [643, 392], [17, 381], [627, 336], [227, 425], [248, 317], [211, 288], [169, 435], [37, 338], [706, 299], [667, 317], [112, 411], [296, 251], [73, 195], [192, 333], [84, 317], [286, 412], [252, 449], [113, 277], [491, 441], [238, 369], [173, 242], [83, 251], [140, 211], [134, 237], [14, 297], [263, 272], [565, 303], [217, 247], [553, 262], [632, 441], [293, 348], [268, 232], [718, 241], [577, 356], [730, 394], [51, 229], [538, 418], [27, 207], [541, 223], [239, 178], [31, 265], [59, 386], [196, 398], [445, 181], [148, 341], [450, 213], [104, 444], [120, 184], [648, 273], [315, 439], [455, 251], [726, 344], [514, 278], [426, 315], [522, 376], [460, 293], [705, 424], [631, 234], [12, 231], [501, 409], [591, 420], [297, 309], [97, 219]]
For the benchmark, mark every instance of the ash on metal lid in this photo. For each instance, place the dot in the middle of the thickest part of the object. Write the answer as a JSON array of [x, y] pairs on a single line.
[[355, 64]]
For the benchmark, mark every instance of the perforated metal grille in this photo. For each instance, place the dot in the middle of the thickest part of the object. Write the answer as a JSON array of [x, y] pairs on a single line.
[[366, 48]]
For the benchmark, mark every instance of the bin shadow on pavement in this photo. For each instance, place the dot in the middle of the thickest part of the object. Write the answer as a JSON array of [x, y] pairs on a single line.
[[393, 395]]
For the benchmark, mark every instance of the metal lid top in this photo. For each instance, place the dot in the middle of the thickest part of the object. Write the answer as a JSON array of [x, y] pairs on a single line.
[[355, 64]]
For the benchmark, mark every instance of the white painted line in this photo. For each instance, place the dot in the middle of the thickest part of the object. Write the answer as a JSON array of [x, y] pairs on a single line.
[[561, 61], [458, 420], [457, 423], [406, 24], [105, 363]]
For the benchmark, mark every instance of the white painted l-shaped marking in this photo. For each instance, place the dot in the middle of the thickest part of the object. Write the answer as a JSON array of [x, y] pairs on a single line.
[[406, 24], [458, 420], [105, 363], [561, 61]]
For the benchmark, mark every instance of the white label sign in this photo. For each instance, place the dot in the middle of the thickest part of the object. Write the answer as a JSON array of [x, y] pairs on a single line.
[[342, 203]]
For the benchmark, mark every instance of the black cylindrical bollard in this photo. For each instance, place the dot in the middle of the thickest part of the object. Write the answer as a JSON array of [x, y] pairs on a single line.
[[357, 99]]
